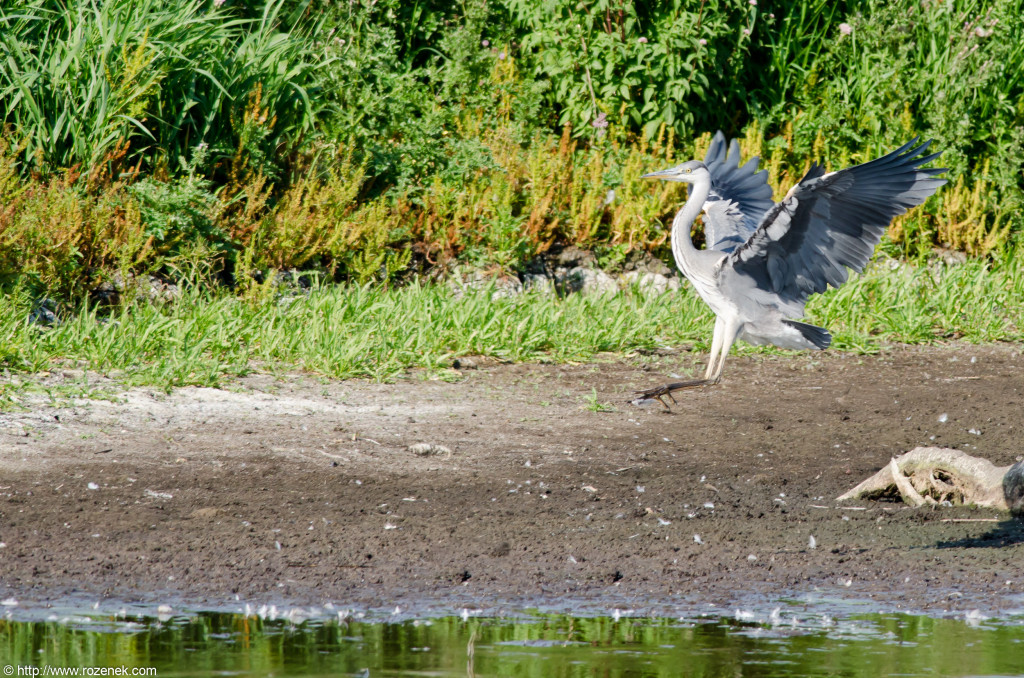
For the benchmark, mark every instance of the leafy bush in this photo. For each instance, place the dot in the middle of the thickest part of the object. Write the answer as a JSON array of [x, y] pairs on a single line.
[[403, 78], [180, 213], [638, 64], [373, 138], [57, 240], [952, 71]]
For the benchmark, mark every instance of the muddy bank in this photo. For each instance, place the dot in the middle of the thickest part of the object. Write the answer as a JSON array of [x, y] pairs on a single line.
[[303, 491]]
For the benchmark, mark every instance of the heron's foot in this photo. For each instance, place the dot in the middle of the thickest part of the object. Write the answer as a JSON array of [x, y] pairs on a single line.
[[659, 392]]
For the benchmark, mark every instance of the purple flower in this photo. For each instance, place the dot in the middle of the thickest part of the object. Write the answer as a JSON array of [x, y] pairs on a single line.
[[845, 28], [218, 3], [600, 122], [703, 41], [752, 3], [746, 31], [486, 43], [501, 56], [643, 41]]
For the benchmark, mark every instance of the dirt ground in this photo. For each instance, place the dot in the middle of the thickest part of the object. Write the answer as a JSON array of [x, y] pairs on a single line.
[[296, 490]]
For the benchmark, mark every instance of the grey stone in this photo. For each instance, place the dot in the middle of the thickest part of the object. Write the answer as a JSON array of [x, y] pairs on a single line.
[[650, 283], [429, 450], [504, 286], [44, 313], [574, 257], [588, 281], [538, 283]]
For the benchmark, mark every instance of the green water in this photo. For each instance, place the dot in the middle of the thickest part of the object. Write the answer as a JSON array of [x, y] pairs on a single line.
[[221, 644]]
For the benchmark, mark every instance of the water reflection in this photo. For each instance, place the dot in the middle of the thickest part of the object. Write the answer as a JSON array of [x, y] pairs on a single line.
[[551, 646]]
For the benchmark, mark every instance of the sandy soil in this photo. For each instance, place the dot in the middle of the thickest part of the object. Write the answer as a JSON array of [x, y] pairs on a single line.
[[302, 491]]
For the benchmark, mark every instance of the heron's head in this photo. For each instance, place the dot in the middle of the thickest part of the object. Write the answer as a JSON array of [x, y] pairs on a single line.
[[689, 173]]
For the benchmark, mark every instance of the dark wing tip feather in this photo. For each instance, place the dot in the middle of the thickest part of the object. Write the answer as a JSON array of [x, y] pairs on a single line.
[[813, 172]]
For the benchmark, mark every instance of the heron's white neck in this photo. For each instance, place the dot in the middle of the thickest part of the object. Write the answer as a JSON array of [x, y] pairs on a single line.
[[682, 246]]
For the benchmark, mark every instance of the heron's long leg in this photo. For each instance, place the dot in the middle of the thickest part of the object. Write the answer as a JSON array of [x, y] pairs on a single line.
[[716, 346], [730, 330], [726, 331], [724, 335]]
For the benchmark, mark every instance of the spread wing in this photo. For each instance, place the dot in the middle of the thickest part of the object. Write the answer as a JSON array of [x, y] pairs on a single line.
[[826, 224], [738, 199]]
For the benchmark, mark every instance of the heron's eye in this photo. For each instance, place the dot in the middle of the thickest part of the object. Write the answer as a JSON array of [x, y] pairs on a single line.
[[687, 170]]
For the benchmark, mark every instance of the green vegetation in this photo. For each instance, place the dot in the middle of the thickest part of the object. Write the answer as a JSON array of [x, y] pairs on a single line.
[[345, 331], [375, 141], [592, 404], [216, 143]]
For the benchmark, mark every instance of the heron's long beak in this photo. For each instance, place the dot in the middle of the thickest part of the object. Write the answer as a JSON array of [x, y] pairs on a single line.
[[665, 175]]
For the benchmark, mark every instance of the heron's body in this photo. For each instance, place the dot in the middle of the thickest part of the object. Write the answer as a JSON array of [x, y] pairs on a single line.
[[764, 260]]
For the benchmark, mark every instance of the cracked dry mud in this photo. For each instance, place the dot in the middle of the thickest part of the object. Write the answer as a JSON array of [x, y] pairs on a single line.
[[302, 491]]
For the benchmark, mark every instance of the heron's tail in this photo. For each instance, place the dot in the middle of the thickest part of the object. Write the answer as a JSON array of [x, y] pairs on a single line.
[[818, 336]]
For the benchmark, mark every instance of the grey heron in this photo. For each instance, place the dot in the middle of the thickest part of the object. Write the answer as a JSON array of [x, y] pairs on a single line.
[[764, 260]]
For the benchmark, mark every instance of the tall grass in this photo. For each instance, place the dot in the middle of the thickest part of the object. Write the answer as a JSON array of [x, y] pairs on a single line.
[[88, 83], [376, 333]]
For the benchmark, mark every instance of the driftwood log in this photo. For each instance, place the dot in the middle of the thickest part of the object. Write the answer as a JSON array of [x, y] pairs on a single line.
[[933, 475]]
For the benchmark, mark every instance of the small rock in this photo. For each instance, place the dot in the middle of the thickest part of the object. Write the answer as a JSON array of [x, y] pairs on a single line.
[[538, 283], [44, 313], [156, 289], [429, 450], [588, 281], [573, 256], [464, 364], [952, 257], [507, 286], [650, 283], [504, 286]]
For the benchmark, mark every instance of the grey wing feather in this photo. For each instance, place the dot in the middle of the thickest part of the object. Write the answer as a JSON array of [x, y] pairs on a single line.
[[739, 197], [827, 224]]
